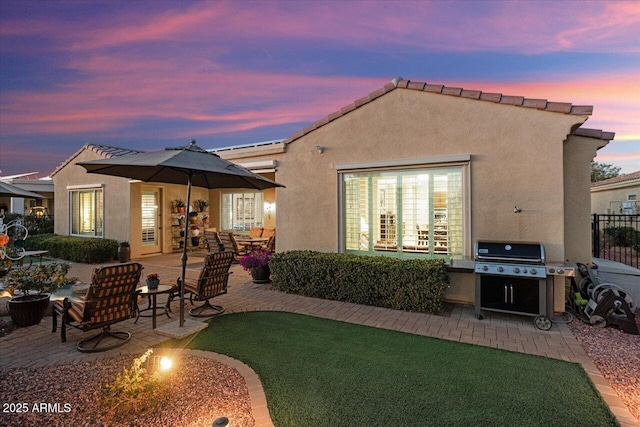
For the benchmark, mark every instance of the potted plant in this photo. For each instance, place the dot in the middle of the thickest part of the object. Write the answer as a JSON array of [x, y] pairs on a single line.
[[153, 280], [179, 205], [193, 217], [124, 252], [205, 219], [201, 205], [257, 263], [36, 284], [195, 233]]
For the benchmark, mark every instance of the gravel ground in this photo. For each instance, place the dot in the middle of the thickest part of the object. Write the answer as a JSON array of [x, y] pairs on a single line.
[[203, 391], [617, 355]]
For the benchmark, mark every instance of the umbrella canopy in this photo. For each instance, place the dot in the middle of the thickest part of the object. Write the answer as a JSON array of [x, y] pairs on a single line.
[[190, 165], [8, 190]]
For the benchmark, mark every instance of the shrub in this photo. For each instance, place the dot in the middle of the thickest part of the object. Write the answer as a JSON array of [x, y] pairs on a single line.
[[35, 225], [410, 285], [76, 249], [624, 236]]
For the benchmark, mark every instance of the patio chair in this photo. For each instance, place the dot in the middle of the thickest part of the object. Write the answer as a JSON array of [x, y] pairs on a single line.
[[255, 232], [229, 244], [213, 241], [270, 245], [211, 283], [111, 298]]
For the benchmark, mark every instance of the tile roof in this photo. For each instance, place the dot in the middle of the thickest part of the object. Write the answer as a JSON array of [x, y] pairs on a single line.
[[634, 176], [594, 133], [103, 150], [498, 98]]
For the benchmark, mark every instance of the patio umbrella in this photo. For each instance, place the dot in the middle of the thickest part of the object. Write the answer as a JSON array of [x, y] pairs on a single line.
[[190, 165], [9, 190]]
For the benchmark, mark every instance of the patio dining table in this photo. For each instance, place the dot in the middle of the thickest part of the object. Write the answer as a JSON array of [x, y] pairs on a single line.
[[252, 242]]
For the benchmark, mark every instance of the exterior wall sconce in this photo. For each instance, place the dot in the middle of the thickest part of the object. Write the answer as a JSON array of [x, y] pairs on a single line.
[[320, 148], [268, 208], [516, 209]]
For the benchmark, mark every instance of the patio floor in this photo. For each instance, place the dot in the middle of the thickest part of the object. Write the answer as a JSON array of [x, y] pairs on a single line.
[[37, 346]]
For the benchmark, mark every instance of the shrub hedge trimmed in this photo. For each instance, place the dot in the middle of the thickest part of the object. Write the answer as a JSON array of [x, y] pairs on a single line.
[[409, 285], [624, 236], [76, 249]]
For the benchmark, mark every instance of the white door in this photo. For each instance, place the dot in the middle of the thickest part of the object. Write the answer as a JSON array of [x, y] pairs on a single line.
[[151, 236]]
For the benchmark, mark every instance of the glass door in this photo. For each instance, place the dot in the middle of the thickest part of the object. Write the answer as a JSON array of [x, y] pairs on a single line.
[[150, 222]]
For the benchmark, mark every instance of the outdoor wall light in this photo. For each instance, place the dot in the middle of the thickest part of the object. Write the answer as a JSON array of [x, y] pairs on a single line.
[[516, 209], [221, 422], [320, 148], [269, 207]]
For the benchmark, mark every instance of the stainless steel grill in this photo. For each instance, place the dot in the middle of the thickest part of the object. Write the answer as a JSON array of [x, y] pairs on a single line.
[[513, 277]]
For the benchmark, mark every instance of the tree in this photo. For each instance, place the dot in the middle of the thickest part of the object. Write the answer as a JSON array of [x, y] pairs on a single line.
[[602, 171]]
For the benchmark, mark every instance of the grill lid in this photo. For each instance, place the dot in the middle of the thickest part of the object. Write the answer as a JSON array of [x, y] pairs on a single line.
[[527, 252]]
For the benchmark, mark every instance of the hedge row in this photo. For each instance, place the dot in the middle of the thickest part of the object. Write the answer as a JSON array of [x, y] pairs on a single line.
[[409, 285], [624, 236], [75, 249]]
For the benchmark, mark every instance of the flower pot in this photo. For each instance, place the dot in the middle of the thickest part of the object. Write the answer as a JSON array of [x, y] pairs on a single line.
[[193, 219], [195, 241], [152, 284], [124, 253], [195, 232], [260, 274], [28, 310], [180, 209]]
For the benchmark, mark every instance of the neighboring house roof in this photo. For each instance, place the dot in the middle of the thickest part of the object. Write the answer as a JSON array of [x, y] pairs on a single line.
[[103, 150], [625, 180], [498, 98]]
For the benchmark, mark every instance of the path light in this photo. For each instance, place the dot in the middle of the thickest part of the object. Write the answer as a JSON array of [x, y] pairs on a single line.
[[221, 422], [165, 363]]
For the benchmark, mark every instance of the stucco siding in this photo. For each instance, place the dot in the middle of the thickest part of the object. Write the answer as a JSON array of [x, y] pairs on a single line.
[[117, 207], [516, 160]]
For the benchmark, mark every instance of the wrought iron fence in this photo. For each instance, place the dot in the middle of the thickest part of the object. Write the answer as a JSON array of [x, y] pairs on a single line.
[[616, 238]]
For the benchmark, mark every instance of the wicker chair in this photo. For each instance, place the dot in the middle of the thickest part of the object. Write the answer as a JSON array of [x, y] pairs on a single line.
[[212, 282], [110, 298]]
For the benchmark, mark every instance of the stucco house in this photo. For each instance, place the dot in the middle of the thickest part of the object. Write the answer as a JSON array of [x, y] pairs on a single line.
[[618, 195], [410, 170]]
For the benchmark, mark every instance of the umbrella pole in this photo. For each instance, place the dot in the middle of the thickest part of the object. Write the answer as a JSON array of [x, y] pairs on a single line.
[[184, 251]]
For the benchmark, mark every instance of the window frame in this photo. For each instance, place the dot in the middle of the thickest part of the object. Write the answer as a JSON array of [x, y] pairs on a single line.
[[97, 209], [430, 164], [258, 208]]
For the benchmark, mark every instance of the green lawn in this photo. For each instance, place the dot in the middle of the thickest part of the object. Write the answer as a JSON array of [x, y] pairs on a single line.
[[319, 372]]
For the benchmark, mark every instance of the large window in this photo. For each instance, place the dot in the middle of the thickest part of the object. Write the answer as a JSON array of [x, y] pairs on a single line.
[[86, 212], [404, 213], [241, 211]]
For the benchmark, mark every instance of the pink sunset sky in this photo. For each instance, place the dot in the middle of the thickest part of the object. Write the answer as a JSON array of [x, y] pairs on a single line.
[[147, 75]]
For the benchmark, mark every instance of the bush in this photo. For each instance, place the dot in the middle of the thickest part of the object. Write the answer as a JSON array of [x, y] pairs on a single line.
[[624, 236], [76, 249], [34, 224], [410, 285]]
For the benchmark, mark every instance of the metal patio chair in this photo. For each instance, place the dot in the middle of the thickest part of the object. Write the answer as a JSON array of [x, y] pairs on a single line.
[[111, 298]]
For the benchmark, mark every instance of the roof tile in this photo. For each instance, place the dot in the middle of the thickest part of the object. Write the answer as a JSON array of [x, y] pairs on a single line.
[[433, 88], [492, 97], [559, 107], [512, 100], [473, 94], [540, 104], [456, 91], [416, 85]]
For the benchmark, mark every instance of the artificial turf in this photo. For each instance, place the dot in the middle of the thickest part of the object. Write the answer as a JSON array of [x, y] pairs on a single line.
[[319, 372]]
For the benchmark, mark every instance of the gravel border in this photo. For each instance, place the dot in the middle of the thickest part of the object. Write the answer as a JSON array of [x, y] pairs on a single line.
[[199, 391]]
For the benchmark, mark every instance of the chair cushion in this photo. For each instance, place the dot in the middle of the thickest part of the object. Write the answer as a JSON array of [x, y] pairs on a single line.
[[255, 232], [268, 232]]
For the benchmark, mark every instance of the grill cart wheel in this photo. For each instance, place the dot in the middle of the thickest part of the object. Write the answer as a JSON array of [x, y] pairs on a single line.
[[543, 323]]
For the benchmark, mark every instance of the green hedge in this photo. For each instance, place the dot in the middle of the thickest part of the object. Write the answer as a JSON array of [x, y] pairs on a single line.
[[76, 249], [624, 236], [410, 285]]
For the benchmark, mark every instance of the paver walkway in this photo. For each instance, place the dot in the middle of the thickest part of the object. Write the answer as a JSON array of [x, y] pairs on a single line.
[[37, 346]]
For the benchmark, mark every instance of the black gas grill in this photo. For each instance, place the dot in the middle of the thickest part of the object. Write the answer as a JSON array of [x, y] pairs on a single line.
[[513, 277]]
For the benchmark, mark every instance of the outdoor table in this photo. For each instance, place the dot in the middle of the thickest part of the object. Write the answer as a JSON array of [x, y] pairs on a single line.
[[253, 242], [153, 293], [31, 255]]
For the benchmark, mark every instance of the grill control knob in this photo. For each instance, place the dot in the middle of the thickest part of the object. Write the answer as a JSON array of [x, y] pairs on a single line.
[[524, 270], [560, 271], [485, 268], [516, 270], [533, 271], [500, 269]]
